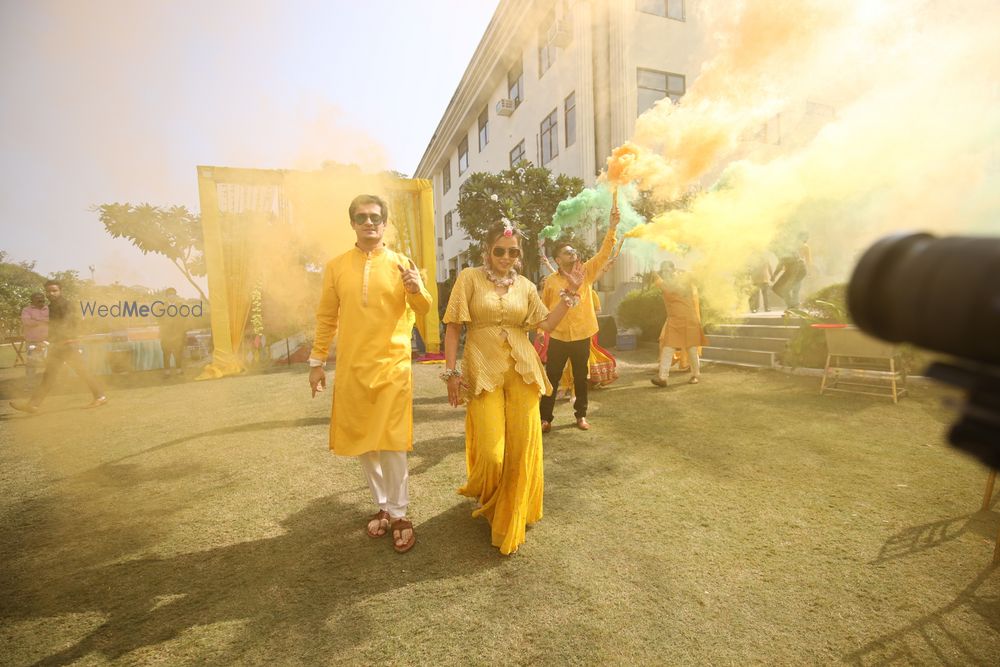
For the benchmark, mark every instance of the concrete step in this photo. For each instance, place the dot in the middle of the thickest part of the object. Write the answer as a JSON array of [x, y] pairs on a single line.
[[742, 357], [753, 330], [771, 319], [758, 343]]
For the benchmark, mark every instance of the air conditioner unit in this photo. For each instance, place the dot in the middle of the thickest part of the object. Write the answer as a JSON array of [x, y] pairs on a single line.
[[505, 107], [560, 34]]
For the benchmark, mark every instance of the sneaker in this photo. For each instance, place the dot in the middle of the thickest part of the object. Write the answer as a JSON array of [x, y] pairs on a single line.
[[658, 382], [97, 402], [24, 406]]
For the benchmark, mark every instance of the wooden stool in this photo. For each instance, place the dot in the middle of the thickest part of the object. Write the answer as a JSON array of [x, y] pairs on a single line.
[[986, 507], [20, 345]]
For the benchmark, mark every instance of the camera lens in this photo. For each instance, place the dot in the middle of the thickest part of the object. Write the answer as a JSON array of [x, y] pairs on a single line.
[[938, 293]]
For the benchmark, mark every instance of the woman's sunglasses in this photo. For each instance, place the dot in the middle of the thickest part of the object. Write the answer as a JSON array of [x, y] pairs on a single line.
[[513, 253]]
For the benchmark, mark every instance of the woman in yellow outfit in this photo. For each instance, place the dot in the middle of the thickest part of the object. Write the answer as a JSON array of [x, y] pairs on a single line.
[[503, 378]]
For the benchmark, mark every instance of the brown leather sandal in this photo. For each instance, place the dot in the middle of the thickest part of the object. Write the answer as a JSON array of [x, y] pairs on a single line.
[[380, 517], [401, 525]]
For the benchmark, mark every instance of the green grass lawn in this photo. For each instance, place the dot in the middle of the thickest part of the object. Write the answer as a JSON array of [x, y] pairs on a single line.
[[743, 520]]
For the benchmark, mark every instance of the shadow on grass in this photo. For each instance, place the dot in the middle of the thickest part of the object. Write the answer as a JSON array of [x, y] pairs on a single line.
[[15, 415], [322, 570], [69, 383], [934, 632], [423, 414], [917, 539], [794, 397], [431, 451], [227, 430]]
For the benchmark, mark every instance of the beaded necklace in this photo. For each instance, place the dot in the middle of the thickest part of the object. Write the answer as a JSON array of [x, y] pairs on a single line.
[[500, 281]]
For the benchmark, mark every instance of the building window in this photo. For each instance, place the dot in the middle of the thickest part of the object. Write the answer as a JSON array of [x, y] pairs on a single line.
[[546, 49], [463, 155], [515, 82], [570, 106], [446, 177], [448, 229], [517, 154], [550, 137], [654, 86], [671, 9], [484, 128]]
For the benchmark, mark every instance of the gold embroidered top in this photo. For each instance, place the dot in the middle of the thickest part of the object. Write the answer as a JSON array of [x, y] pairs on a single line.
[[497, 329]]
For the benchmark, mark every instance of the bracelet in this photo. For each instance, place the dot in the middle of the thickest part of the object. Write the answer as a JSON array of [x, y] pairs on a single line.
[[569, 298], [450, 373]]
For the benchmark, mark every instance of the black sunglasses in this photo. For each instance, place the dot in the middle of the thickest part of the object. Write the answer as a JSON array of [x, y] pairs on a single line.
[[362, 218], [513, 253]]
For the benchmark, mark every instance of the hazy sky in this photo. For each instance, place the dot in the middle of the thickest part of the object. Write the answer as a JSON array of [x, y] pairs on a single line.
[[119, 100]]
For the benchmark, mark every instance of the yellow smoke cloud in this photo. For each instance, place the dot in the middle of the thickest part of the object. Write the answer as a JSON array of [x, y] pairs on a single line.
[[843, 120]]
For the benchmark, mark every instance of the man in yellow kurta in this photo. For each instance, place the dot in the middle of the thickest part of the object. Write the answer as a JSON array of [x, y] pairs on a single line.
[[682, 329], [570, 341], [372, 292]]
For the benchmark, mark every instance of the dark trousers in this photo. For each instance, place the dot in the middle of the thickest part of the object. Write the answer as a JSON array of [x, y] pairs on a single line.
[[577, 352], [173, 346], [59, 354]]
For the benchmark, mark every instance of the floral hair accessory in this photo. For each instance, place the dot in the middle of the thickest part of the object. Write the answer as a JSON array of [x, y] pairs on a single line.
[[508, 227]]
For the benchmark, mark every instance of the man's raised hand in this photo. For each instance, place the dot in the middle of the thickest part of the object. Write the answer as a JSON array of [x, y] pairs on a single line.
[[410, 276], [575, 277]]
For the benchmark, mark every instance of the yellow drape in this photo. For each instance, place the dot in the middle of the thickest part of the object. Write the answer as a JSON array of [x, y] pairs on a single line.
[[303, 209]]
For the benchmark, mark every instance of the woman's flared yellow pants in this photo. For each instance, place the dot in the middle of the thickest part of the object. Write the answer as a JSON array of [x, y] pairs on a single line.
[[503, 456]]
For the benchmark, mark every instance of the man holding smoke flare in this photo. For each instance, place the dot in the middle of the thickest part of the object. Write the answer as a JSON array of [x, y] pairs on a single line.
[[570, 340]]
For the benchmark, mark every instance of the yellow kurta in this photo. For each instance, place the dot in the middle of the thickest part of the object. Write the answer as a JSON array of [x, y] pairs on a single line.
[[682, 329], [363, 298], [581, 321]]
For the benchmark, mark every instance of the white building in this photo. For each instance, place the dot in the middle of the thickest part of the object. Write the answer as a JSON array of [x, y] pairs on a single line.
[[559, 83]]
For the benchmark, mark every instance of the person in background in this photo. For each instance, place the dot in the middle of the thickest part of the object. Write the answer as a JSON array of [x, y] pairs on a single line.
[[64, 348], [602, 367], [35, 330], [760, 280], [793, 266], [173, 335], [444, 293], [682, 329], [570, 341]]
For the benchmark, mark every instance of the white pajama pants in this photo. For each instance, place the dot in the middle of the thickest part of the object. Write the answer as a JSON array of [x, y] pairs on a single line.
[[667, 358], [387, 476]]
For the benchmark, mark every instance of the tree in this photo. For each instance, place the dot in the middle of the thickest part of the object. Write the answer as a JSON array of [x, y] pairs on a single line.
[[526, 195], [649, 206], [18, 281], [172, 232]]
